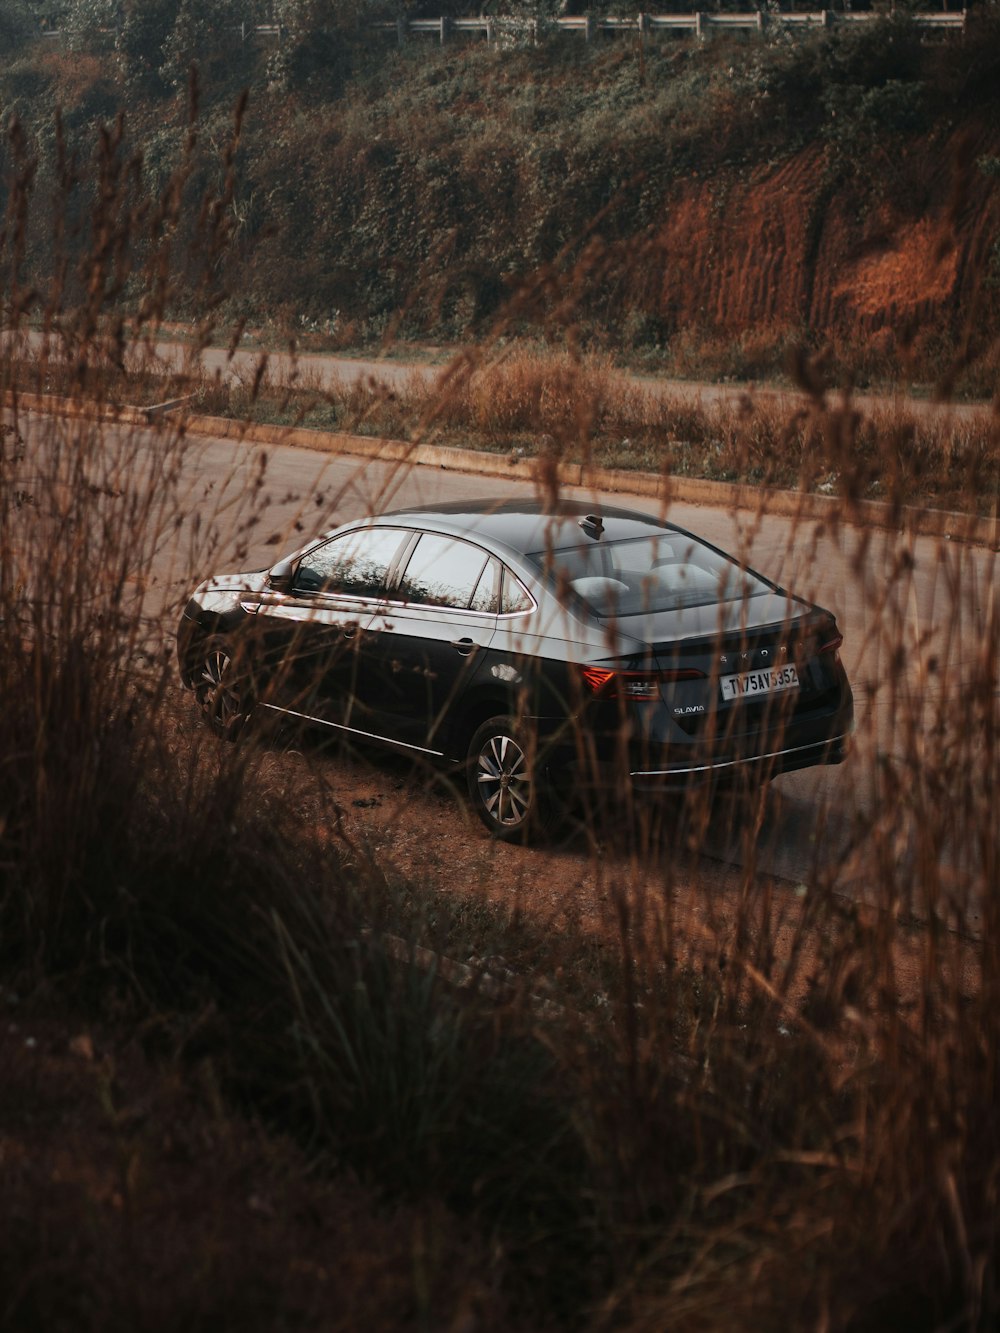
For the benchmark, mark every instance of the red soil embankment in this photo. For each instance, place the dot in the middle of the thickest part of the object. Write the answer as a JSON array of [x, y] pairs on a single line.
[[900, 257]]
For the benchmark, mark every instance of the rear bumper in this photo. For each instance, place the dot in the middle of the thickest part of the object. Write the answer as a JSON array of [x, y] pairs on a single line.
[[786, 760], [645, 768]]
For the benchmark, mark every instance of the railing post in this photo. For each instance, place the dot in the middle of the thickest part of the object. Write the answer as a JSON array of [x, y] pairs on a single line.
[[401, 32], [700, 24], [827, 18], [643, 24], [445, 29], [491, 32], [588, 31]]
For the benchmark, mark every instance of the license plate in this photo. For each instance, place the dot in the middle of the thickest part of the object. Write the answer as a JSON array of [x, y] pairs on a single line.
[[753, 683]]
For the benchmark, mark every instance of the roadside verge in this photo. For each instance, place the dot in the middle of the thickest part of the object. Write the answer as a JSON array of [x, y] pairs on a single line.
[[922, 521]]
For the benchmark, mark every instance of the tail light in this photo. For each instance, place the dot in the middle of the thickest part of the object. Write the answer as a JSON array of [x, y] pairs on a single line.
[[639, 685], [821, 638], [832, 644]]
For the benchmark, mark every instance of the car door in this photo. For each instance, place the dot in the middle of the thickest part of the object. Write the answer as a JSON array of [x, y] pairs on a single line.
[[428, 640], [316, 632]]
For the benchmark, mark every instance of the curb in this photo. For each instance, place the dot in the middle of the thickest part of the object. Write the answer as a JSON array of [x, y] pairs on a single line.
[[919, 521]]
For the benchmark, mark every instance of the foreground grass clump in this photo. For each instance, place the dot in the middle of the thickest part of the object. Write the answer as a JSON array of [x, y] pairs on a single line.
[[110, 1155], [178, 891]]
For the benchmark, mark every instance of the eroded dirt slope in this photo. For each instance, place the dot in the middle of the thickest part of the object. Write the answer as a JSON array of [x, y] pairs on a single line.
[[797, 245]]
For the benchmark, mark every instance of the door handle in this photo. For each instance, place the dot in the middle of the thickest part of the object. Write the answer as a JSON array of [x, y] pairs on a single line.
[[464, 646]]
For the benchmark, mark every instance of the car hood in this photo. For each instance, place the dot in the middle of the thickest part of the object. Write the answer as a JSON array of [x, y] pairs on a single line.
[[222, 592], [254, 580]]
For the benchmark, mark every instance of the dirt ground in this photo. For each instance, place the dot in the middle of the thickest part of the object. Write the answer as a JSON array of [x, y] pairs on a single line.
[[133, 1200], [652, 878]]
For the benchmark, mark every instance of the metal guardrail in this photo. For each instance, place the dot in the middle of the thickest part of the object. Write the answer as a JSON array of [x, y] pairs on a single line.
[[700, 24]]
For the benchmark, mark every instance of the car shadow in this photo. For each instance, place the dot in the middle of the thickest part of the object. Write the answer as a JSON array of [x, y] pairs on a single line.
[[721, 824]]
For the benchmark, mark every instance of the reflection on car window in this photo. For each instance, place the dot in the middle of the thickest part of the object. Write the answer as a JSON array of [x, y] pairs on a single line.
[[645, 575], [486, 598], [354, 564], [515, 597], [442, 572]]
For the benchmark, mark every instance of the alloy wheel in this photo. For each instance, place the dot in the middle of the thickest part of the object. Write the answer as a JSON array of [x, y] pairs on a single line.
[[217, 694], [503, 781]]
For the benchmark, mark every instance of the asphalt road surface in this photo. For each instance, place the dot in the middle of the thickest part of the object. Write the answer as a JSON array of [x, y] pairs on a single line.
[[911, 609]]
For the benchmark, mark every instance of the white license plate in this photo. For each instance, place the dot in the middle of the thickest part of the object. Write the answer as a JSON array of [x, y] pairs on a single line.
[[753, 683]]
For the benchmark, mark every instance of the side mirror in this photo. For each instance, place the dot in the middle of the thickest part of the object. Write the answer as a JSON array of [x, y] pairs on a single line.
[[279, 579]]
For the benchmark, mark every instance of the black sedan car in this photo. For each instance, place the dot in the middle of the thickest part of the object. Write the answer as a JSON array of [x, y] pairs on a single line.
[[541, 649]]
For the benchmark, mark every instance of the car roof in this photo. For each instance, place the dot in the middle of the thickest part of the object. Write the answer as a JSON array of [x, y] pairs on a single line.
[[527, 526]]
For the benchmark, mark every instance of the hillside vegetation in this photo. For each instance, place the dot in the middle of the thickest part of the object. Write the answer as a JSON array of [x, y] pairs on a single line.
[[699, 206]]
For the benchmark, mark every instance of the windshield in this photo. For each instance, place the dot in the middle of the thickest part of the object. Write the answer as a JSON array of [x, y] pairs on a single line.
[[645, 575]]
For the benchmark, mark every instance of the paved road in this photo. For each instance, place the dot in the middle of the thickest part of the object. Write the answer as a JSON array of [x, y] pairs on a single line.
[[885, 589], [243, 506]]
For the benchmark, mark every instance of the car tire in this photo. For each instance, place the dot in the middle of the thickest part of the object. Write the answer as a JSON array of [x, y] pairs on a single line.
[[223, 694], [502, 783]]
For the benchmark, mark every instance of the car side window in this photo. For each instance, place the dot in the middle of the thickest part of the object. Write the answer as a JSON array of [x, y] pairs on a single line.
[[514, 597], [486, 598], [442, 572], [355, 564]]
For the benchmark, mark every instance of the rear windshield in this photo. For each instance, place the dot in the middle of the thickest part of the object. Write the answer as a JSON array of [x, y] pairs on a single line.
[[644, 575]]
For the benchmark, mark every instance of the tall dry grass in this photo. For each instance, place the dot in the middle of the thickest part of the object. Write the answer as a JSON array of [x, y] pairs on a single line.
[[529, 402], [760, 1103]]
